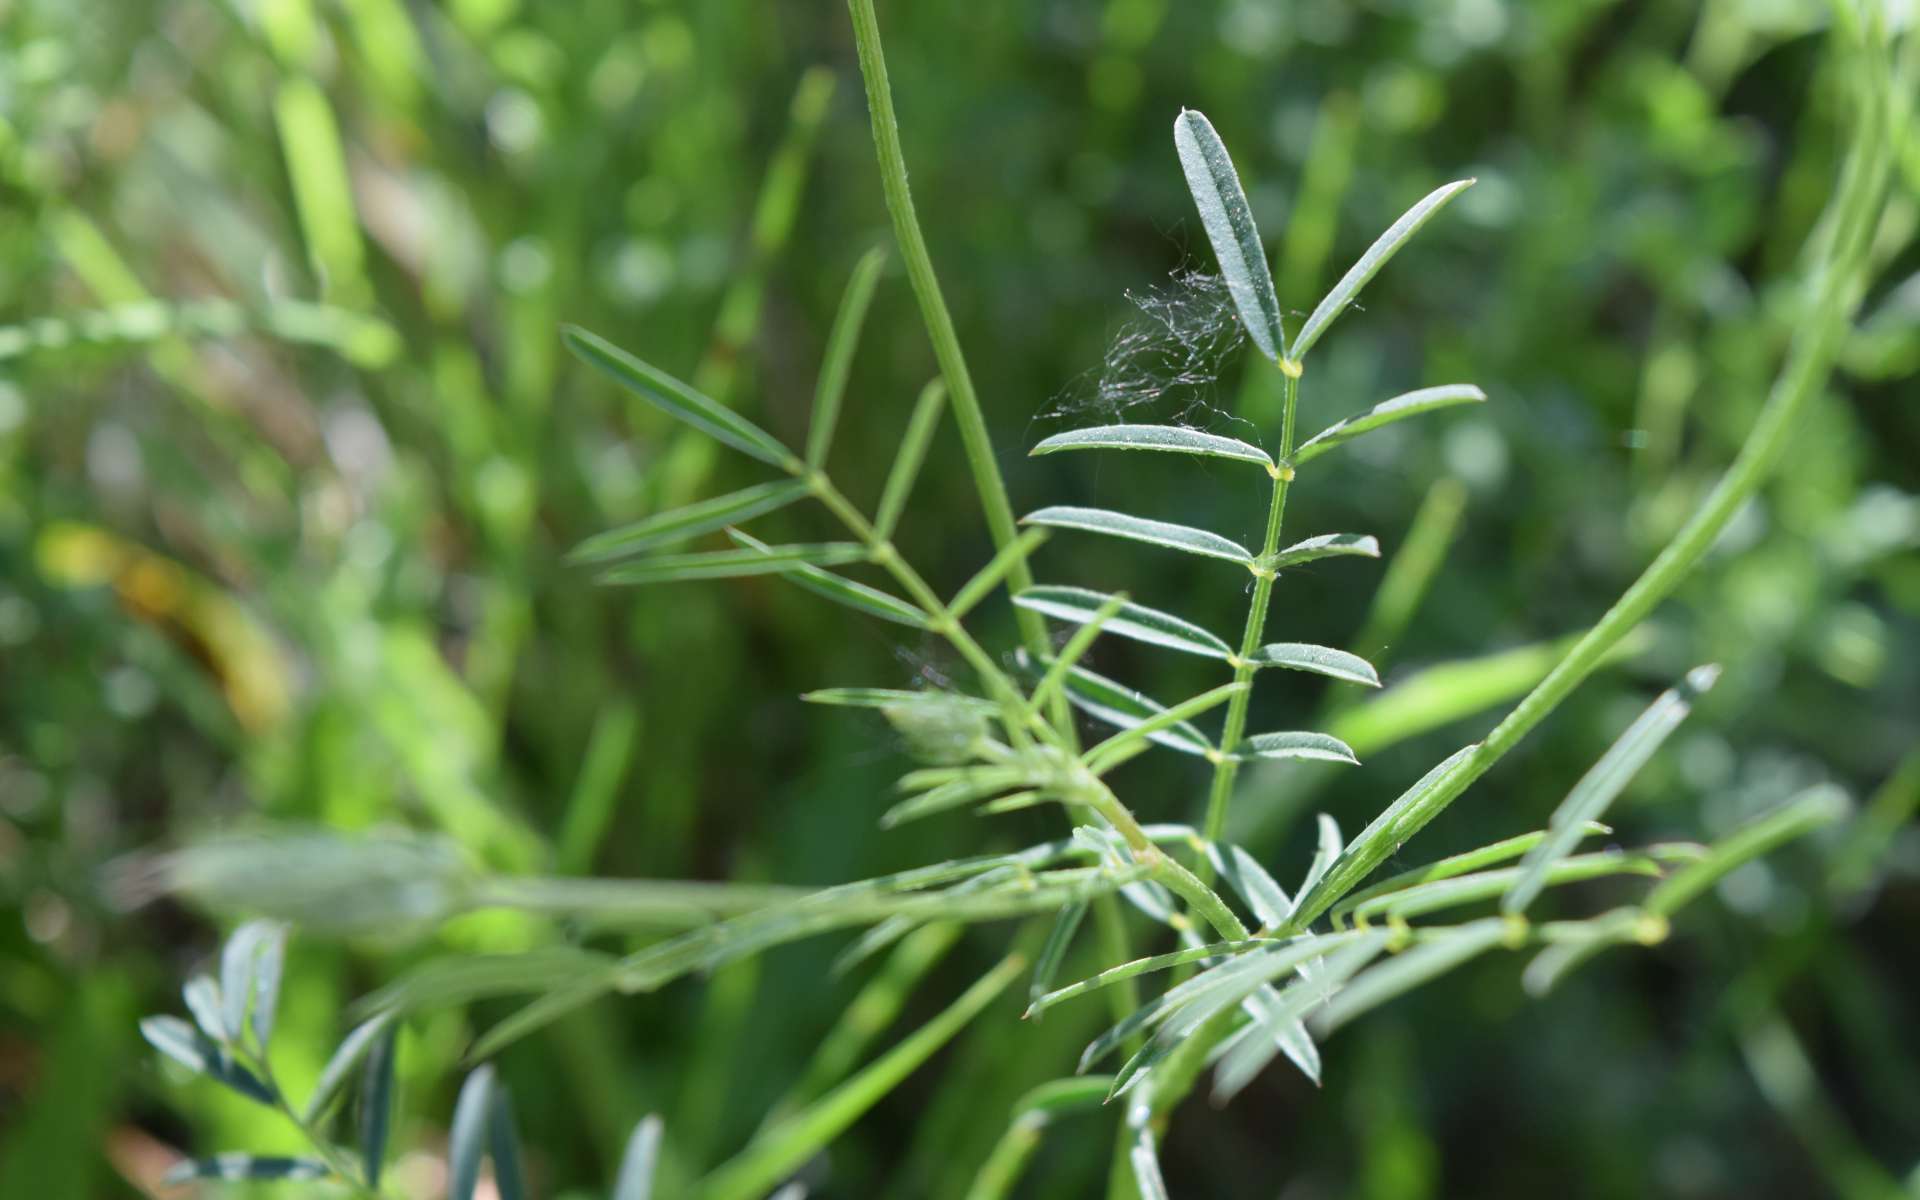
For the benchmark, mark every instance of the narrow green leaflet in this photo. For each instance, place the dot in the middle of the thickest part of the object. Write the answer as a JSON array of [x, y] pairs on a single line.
[[1251, 882], [1370, 263], [977, 786], [348, 1056], [1811, 809], [1102, 698], [638, 1163], [1171, 438], [677, 399], [1424, 898], [841, 590], [683, 523], [1321, 660], [251, 963], [1409, 404], [202, 1055], [468, 1142], [988, 577], [1136, 621], [1047, 965], [1109, 753], [1228, 220], [202, 997], [239, 1168], [1409, 970], [376, 1104], [1146, 1167], [1488, 855], [1300, 744], [1137, 968], [1608, 777], [1141, 529], [728, 564], [889, 697], [841, 342], [909, 456], [503, 1143], [1383, 837], [1327, 545]]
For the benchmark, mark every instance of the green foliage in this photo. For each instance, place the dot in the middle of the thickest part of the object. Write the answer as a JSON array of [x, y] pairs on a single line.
[[293, 457]]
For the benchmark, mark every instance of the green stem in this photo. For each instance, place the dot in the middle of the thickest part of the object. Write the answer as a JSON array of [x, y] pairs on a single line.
[[933, 311], [1226, 767]]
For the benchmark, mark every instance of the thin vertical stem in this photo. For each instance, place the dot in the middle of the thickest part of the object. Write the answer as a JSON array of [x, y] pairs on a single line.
[[933, 311], [1226, 767]]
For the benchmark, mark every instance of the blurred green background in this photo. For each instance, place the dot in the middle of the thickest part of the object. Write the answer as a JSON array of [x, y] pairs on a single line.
[[290, 457]]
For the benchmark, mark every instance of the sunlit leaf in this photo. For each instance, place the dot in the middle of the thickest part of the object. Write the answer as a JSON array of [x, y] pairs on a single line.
[[202, 1055], [352, 1050], [1174, 439], [1327, 545], [1321, 660], [1357, 276], [467, 1144], [1297, 744], [1102, 698], [1228, 220], [1135, 621], [1409, 970], [639, 1162], [1141, 529], [1408, 404]]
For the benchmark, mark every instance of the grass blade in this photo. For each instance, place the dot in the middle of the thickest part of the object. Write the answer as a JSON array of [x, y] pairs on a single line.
[[1357, 276], [1141, 529], [1598, 788], [1136, 621], [1174, 439], [680, 524], [1297, 744], [782, 1148], [1327, 545], [841, 590], [909, 455], [838, 359], [1411, 969], [1408, 404], [988, 577], [732, 564], [1321, 660], [677, 399], [640, 1161], [1811, 809], [1228, 220]]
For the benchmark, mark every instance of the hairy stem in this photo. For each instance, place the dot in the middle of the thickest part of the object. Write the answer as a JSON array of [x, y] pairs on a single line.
[[933, 310]]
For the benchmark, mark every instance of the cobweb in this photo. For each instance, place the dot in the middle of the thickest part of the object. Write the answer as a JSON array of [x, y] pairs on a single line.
[[1171, 348]]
